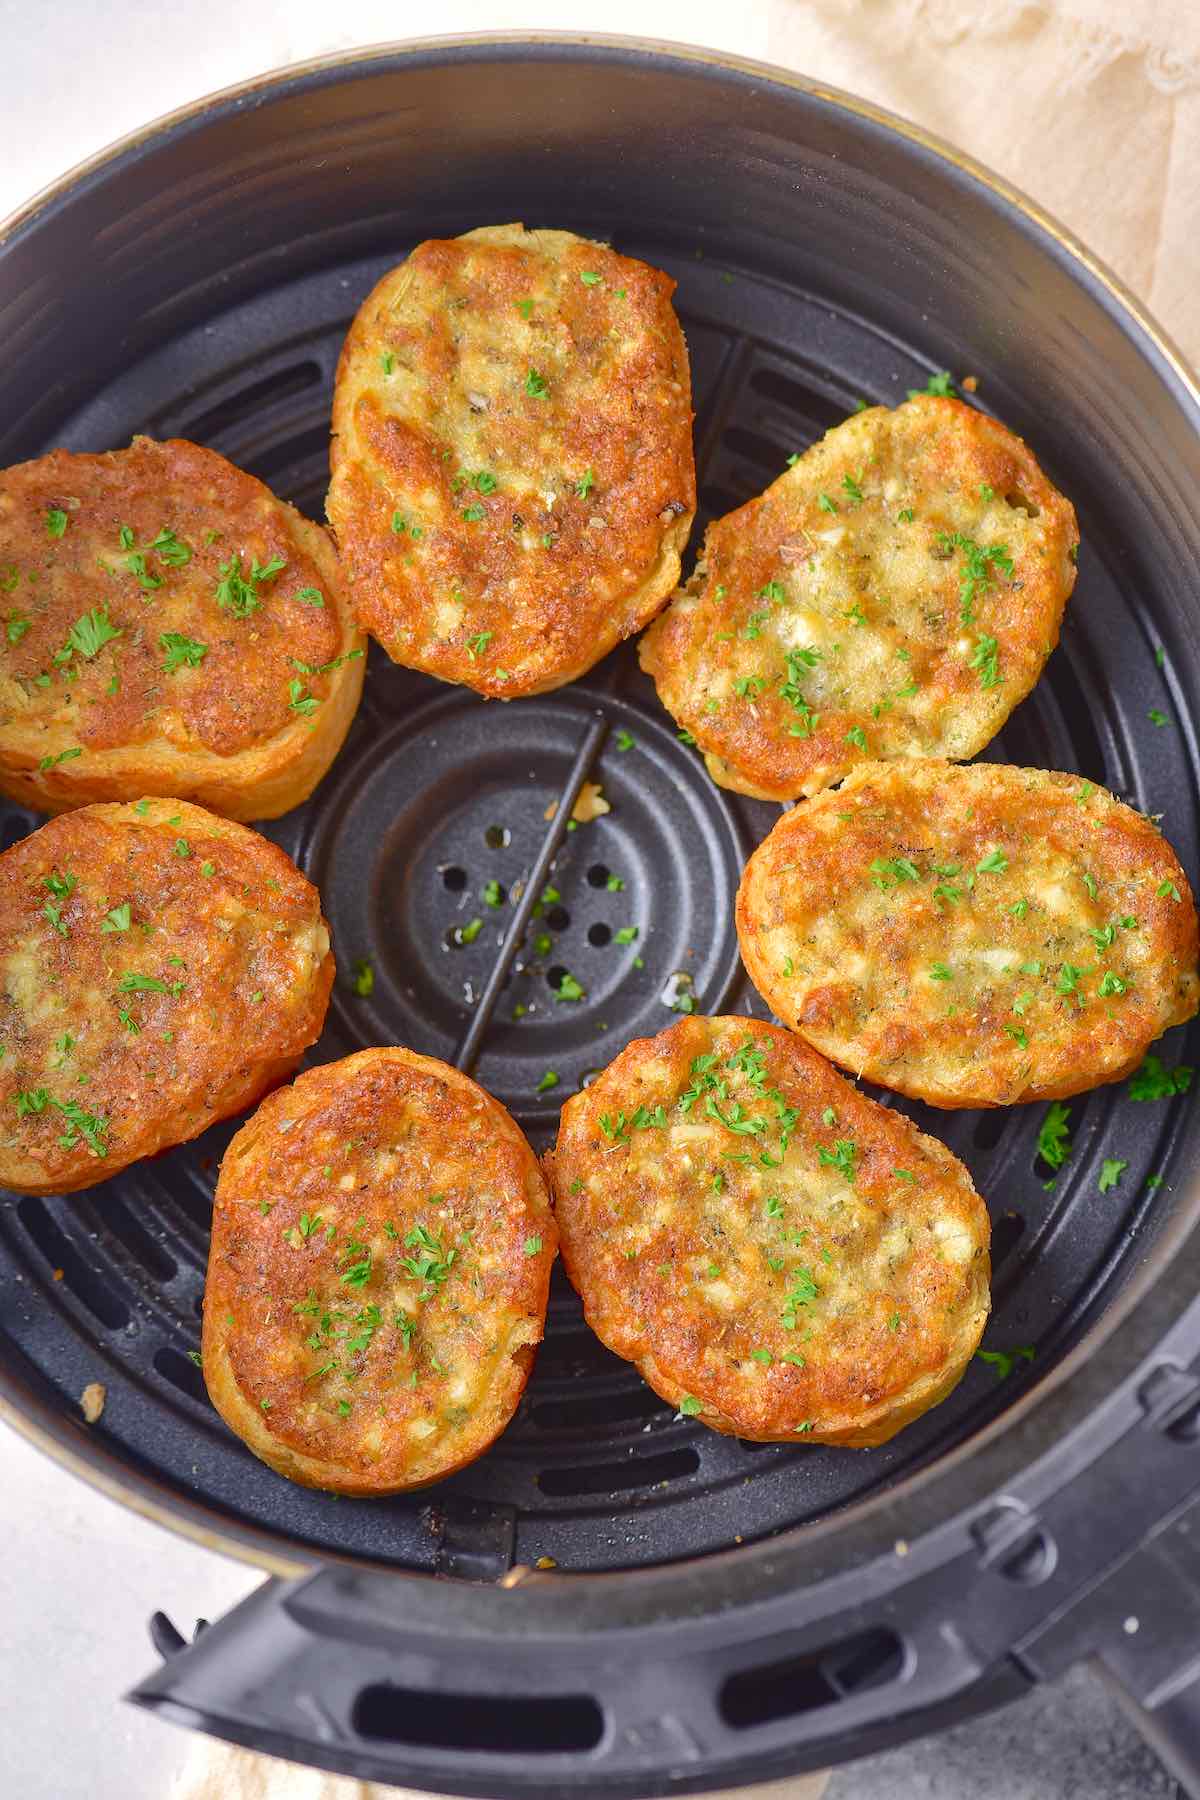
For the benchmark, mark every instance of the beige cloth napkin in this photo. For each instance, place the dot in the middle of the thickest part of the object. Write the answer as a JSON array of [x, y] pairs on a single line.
[[1093, 108]]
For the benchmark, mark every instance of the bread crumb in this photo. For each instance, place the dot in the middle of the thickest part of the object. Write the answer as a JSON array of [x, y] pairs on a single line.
[[545, 1562], [590, 805], [900, 1547], [970, 383], [91, 1401]]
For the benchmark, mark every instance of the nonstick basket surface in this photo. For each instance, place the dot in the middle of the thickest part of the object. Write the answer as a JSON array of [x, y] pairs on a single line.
[[200, 286]]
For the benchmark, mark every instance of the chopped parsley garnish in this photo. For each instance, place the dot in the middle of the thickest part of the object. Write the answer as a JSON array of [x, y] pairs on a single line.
[[886, 872], [310, 596], [1069, 977], [492, 894], [239, 593], [118, 918], [841, 1157], [986, 661], [536, 386], [1054, 1136], [52, 762], [431, 1264], [940, 384], [940, 971], [1167, 890], [979, 562], [470, 931], [478, 644], [300, 700], [56, 522], [689, 1406], [568, 989], [549, 1080], [1156, 717], [181, 651], [826, 504], [614, 884], [1154, 1081], [473, 514], [15, 627], [533, 1245], [994, 863], [585, 484], [1112, 983], [171, 549], [89, 634], [856, 735], [363, 979], [1005, 1361], [626, 935], [1111, 1171], [589, 278], [853, 488]]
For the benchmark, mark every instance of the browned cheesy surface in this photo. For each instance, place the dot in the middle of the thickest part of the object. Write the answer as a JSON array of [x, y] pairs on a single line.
[[166, 626], [512, 459], [160, 968], [971, 936], [778, 1254], [381, 1252], [895, 593]]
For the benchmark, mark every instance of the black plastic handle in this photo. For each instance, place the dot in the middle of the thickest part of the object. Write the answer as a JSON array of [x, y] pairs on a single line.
[[414, 1682]]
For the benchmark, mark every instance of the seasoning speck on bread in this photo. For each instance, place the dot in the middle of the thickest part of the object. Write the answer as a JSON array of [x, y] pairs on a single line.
[[971, 936], [513, 480], [779, 1255], [167, 626], [381, 1252], [160, 968], [894, 593]]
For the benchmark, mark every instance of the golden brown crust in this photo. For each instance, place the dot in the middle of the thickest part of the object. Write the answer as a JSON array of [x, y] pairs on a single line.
[[381, 1252], [777, 1253], [100, 696], [513, 481], [971, 936], [160, 968], [895, 593]]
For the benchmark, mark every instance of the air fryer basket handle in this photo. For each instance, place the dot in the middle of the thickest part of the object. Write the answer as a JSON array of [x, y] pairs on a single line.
[[325, 1670], [366, 1673]]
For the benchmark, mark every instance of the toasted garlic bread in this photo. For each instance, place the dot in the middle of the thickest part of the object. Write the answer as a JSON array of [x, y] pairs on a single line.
[[160, 968], [895, 593], [513, 480], [381, 1251], [778, 1254], [167, 626], [971, 936]]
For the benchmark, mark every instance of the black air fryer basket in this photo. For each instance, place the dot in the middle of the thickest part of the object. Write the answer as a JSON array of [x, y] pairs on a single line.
[[615, 1601]]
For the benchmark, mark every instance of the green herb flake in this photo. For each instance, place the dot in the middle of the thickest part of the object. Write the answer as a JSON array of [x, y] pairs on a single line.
[[1054, 1137], [533, 1245], [56, 522], [1111, 1171], [363, 979], [181, 652]]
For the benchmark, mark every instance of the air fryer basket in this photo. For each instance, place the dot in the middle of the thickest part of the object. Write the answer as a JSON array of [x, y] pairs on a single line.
[[711, 1610]]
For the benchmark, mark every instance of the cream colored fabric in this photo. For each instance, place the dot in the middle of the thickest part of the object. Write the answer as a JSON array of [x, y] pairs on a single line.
[[1091, 106]]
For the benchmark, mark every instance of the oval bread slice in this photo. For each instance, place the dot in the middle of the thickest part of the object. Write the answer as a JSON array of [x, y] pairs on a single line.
[[972, 936], [381, 1250], [895, 593], [779, 1255], [513, 480], [160, 968], [168, 627]]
